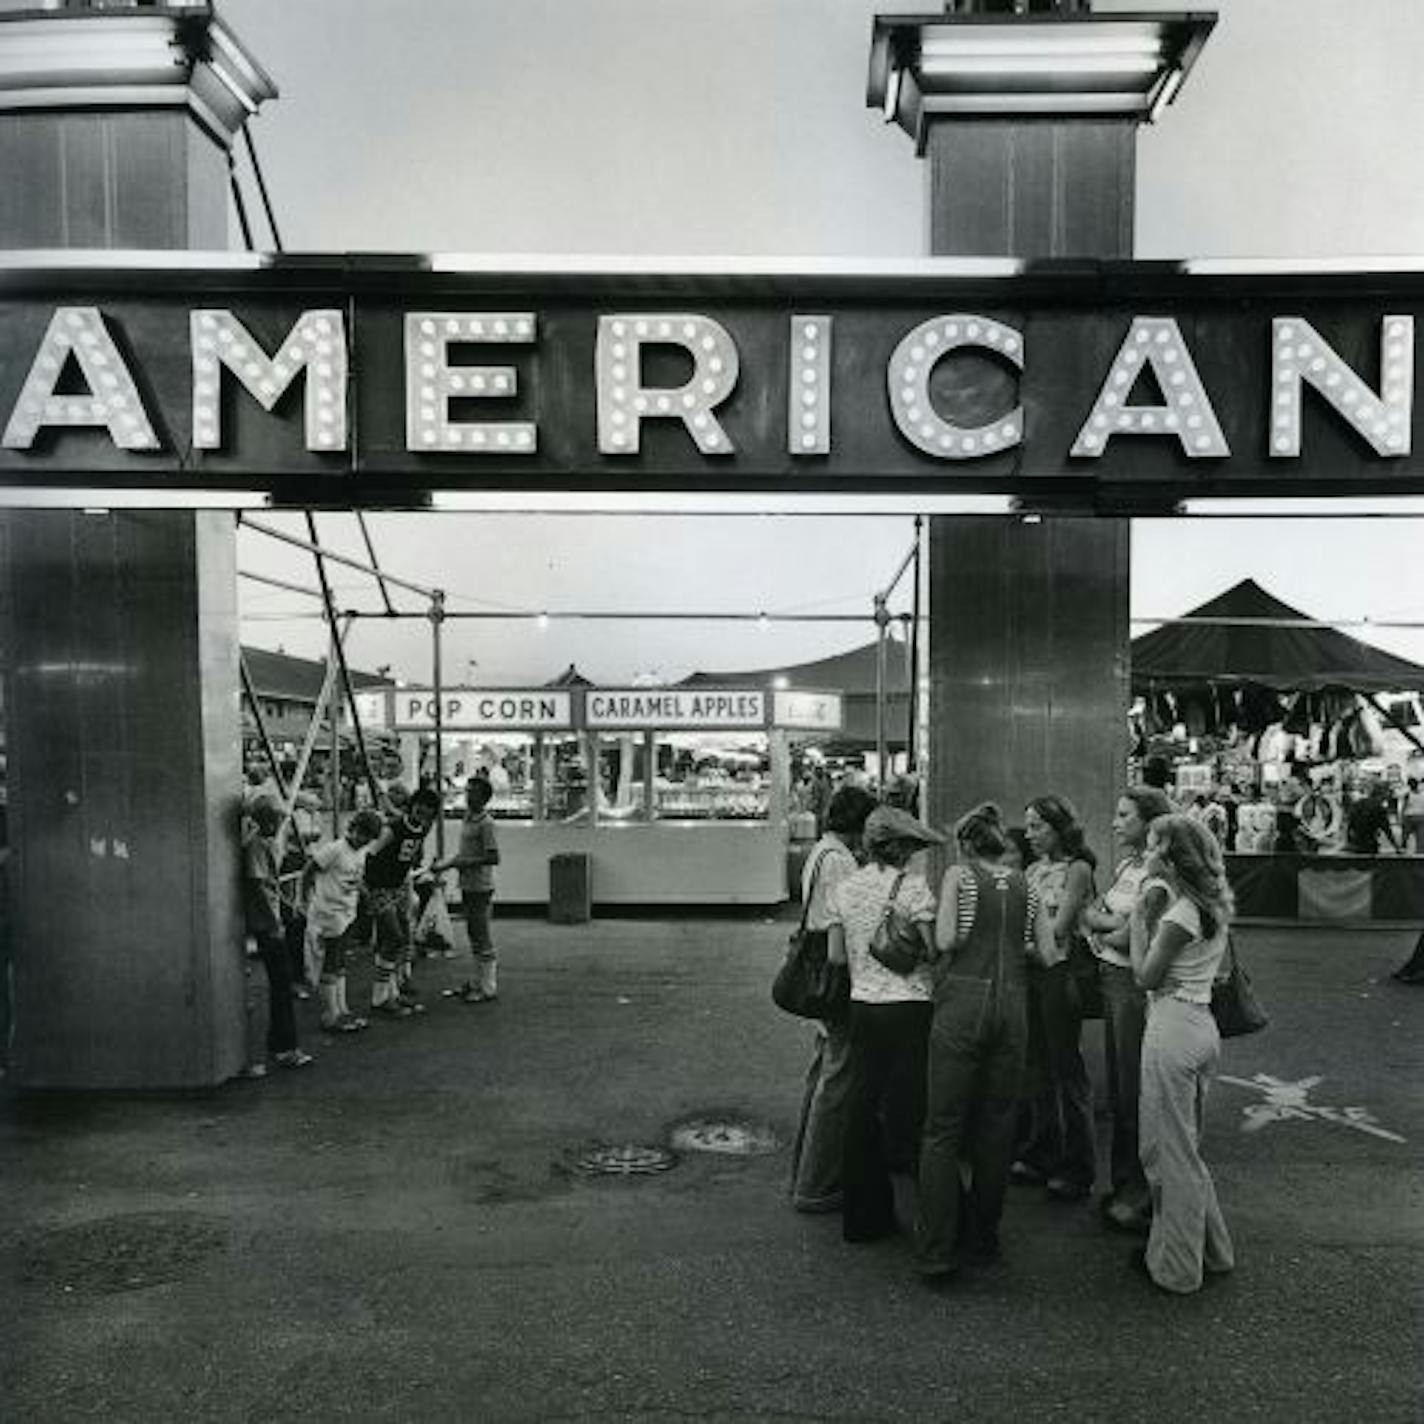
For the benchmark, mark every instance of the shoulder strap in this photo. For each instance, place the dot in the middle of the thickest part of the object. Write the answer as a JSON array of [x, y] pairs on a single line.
[[811, 888]]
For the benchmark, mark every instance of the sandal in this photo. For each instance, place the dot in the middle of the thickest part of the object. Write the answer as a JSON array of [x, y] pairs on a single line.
[[348, 1023], [293, 1058]]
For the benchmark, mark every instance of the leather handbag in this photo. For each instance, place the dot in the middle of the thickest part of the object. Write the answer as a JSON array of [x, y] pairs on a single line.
[[808, 985], [896, 943], [1234, 1004]]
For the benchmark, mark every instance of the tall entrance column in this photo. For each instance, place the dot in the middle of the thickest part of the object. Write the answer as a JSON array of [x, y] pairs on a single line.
[[118, 630], [1026, 114]]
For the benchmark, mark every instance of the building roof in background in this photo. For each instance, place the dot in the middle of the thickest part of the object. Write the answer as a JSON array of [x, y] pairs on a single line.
[[297, 679], [1275, 656], [851, 672], [570, 677]]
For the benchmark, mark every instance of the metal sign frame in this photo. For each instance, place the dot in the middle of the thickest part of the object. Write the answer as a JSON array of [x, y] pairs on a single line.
[[356, 382]]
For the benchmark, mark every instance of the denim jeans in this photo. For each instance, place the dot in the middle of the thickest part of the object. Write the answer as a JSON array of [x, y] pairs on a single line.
[[820, 1136], [478, 906], [1058, 1138], [1180, 1051], [976, 1060], [885, 1111], [1124, 1018], [281, 1020]]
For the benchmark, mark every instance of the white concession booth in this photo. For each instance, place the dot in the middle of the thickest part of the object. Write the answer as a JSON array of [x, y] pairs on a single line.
[[677, 795]]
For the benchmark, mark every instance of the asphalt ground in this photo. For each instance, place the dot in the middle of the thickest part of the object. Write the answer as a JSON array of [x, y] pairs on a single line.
[[402, 1230]]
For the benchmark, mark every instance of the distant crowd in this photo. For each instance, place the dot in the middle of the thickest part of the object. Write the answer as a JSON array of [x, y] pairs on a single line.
[[958, 1061]]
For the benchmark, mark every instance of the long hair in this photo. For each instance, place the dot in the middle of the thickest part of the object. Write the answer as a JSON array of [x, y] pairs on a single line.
[[1058, 813], [981, 832], [1151, 802], [1192, 854]]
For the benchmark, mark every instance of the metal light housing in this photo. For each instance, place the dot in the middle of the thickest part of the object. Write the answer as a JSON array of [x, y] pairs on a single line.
[[1059, 65]]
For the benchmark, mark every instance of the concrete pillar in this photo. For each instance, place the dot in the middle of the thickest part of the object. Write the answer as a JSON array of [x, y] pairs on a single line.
[[1028, 156], [118, 630]]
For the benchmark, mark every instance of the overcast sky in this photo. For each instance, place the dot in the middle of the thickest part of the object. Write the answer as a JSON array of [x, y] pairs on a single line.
[[678, 127]]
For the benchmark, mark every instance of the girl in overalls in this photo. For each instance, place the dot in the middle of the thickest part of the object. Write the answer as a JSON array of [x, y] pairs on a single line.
[[987, 926]]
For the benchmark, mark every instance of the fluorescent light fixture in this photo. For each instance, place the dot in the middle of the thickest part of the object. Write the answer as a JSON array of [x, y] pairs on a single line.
[[1016, 41], [703, 503], [1349, 507], [1070, 65], [109, 499], [1007, 69]]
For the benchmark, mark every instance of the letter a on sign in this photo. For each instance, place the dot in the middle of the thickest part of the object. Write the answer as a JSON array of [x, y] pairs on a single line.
[[1154, 343], [113, 401]]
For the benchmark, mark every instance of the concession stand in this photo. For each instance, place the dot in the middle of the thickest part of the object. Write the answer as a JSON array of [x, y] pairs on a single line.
[[1290, 716], [676, 795]]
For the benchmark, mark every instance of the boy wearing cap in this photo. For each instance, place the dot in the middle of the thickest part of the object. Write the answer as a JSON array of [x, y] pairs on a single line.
[[889, 1019]]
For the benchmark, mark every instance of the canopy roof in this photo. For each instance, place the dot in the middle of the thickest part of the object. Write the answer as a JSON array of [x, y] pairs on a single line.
[[851, 672], [1288, 659]]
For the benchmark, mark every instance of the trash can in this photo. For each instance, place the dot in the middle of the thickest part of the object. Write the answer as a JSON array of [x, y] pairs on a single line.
[[571, 888]]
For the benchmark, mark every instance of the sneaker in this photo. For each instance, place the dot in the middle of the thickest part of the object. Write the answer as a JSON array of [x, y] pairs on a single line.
[[1066, 1189], [392, 1009], [346, 1023], [254, 1070], [408, 999], [1024, 1174], [293, 1058]]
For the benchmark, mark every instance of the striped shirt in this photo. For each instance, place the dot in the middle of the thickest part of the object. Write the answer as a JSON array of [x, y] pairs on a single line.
[[968, 902]]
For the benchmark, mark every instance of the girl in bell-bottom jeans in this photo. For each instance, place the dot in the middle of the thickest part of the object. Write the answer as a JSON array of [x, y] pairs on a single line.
[[1180, 1052]]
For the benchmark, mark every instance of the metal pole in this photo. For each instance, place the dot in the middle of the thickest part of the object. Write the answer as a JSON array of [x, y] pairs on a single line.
[[371, 551], [882, 628], [251, 693], [333, 775], [913, 729], [350, 692], [314, 548], [437, 619]]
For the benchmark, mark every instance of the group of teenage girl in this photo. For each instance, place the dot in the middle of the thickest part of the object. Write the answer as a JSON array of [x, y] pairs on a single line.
[[967, 1073]]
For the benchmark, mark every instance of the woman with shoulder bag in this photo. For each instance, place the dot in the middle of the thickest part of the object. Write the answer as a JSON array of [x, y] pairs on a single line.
[[889, 1018], [1057, 1148], [988, 925], [820, 1134], [1180, 1052], [1110, 920]]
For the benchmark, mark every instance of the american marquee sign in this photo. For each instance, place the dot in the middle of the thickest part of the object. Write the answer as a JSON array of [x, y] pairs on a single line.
[[355, 380]]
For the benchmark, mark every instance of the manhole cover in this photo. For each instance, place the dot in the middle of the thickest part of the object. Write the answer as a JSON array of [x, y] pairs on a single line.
[[627, 1160], [729, 1136], [119, 1253]]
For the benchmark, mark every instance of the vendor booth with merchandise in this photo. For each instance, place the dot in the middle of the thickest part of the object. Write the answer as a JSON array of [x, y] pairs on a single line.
[[1286, 721], [674, 795]]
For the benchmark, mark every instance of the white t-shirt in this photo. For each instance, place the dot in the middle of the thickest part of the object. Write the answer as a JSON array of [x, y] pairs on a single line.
[[340, 870], [828, 864], [856, 904], [1190, 974], [1120, 898]]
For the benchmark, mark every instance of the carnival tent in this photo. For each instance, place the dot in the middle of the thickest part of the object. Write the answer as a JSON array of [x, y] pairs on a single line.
[[1253, 637]]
